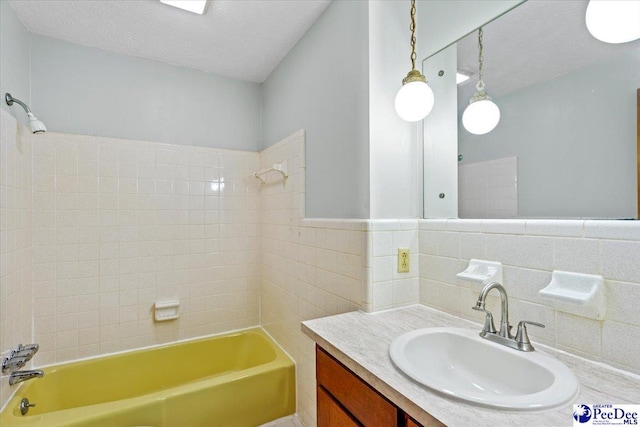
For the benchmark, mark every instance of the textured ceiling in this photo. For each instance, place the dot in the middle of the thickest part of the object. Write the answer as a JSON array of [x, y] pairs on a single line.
[[236, 38], [537, 41]]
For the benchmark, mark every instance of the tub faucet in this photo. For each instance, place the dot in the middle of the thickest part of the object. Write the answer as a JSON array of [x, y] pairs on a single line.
[[503, 336], [20, 376]]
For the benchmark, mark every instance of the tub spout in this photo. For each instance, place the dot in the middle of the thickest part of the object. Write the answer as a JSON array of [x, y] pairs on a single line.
[[20, 376]]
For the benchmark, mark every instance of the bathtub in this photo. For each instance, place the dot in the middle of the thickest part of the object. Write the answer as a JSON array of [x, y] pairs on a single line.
[[237, 379]]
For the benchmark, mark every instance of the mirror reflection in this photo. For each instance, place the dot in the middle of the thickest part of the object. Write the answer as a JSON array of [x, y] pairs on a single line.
[[566, 142]]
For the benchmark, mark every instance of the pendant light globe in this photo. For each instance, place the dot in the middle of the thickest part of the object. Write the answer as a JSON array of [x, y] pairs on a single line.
[[414, 101], [614, 21], [481, 117]]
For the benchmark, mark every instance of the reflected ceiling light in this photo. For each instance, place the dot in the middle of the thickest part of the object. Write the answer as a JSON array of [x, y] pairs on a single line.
[[462, 77], [482, 114], [35, 125], [195, 6], [614, 21], [414, 100]]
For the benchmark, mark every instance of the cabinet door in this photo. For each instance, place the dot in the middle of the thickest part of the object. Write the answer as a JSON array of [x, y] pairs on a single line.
[[430, 422], [330, 414], [362, 401]]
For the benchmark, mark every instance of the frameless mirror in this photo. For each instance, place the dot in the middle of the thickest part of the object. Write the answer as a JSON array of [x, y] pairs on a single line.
[[566, 143]]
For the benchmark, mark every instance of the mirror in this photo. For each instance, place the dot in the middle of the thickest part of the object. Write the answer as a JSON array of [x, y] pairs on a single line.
[[566, 143]]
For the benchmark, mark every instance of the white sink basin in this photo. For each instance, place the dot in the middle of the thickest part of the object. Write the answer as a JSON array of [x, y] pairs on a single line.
[[460, 364]]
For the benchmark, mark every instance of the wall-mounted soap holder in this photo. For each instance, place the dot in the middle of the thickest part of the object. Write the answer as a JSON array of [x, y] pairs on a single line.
[[482, 272], [576, 293], [166, 310]]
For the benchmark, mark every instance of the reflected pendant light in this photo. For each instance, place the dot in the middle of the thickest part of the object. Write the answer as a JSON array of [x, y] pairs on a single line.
[[614, 21], [414, 100], [481, 115]]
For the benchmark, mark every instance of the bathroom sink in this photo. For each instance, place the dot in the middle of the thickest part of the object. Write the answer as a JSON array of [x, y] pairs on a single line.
[[461, 364]]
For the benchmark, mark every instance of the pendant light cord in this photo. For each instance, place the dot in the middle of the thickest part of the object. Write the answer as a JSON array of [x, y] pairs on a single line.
[[413, 75], [480, 85], [412, 27]]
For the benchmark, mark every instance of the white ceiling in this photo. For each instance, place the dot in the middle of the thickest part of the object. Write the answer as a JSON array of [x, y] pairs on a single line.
[[244, 39], [536, 42]]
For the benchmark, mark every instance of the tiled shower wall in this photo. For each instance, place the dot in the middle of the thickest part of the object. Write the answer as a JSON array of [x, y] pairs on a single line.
[[15, 239], [529, 251], [310, 268], [120, 224]]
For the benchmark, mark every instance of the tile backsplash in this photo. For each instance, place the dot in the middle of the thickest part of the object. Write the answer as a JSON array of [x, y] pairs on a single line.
[[385, 287], [529, 251]]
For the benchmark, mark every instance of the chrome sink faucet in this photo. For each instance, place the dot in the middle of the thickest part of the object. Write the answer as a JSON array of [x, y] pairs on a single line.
[[503, 336]]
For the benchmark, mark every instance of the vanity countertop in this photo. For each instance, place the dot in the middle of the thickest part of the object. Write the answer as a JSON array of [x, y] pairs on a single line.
[[361, 342]]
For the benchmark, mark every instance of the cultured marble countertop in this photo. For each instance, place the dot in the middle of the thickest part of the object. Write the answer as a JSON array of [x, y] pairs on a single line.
[[361, 342]]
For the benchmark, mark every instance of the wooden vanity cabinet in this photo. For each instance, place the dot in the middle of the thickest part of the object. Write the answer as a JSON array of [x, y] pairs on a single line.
[[345, 400]]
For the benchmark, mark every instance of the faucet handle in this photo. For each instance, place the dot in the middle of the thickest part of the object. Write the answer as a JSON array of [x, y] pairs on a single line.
[[12, 364], [26, 354], [33, 348], [521, 336], [26, 351], [489, 327]]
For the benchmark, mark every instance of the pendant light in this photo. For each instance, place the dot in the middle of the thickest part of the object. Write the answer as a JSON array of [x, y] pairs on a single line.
[[414, 100], [614, 21], [481, 115]]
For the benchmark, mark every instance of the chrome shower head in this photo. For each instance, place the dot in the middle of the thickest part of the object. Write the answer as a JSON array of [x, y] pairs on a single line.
[[35, 125]]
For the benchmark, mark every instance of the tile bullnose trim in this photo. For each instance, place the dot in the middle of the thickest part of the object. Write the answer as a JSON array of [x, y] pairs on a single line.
[[503, 226], [391, 224], [598, 229], [612, 229], [555, 227]]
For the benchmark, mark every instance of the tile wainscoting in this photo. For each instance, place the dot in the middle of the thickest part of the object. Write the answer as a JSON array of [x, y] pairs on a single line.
[[529, 251]]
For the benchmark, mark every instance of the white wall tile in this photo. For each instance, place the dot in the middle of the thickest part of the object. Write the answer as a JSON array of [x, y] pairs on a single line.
[[620, 260], [17, 236], [579, 255], [120, 235], [579, 333], [623, 301], [620, 345], [530, 250]]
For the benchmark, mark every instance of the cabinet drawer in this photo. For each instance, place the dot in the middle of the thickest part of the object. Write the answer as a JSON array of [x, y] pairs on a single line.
[[330, 414], [357, 397]]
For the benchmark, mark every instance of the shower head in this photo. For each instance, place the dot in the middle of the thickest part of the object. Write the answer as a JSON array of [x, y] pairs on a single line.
[[35, 125]]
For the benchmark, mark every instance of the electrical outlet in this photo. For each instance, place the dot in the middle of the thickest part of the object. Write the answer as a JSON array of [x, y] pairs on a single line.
[[403, 260]]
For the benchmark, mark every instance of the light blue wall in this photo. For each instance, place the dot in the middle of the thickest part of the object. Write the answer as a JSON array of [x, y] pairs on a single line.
[[322, 86], [575, 139], [85, 90], [14, 60]]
